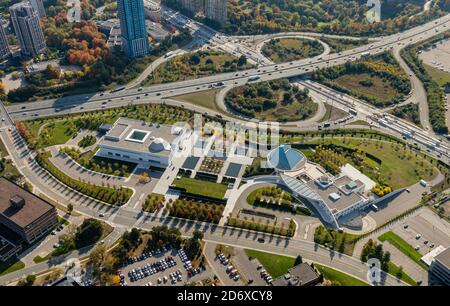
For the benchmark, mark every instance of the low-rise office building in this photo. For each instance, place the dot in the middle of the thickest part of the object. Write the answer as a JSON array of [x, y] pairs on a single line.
[[440, 266], [299, 275], [24, 218], [147, 144]]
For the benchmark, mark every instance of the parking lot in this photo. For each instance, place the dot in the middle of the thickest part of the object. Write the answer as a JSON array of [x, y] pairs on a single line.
[[161, 267], [424, 231]]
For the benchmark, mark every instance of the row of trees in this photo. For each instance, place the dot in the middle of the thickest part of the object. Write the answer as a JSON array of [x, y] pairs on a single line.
[[266, 228], [153, 202], [329, 159], [194, 210], [111, 195], [374, 250], [98, 164], [334, 16]]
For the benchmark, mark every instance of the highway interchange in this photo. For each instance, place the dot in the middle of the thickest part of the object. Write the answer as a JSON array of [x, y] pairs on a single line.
[[126, 217]]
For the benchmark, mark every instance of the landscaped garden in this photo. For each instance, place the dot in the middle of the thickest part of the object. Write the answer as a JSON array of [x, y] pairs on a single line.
[[289, 49], [201, 187], [153, 202], [339, 241], [274, 198], [42, 133], [212, 165], [378, 80], [255, 223], [272, 101], [87, 141], [195, 65], [195, 210], [388, 164], [114, 196], [100, 164]]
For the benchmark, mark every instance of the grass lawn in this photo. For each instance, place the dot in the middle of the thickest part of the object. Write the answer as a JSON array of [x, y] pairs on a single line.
[[57, 131], [339, 45], [201, 187], [9, 267], [441, 77], [403, 247], [393, 269], [290, 49], [332, 113], [205, 99], [276, 265], [400, 168], [380, 90], [342, 278]]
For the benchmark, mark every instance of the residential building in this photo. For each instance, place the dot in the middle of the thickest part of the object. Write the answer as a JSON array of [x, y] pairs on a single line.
[[24, 218], [4, 48], [38, 6], [25, 20], [146, 144], [440, 266], [133, 29], [216, 10], [299, 275]]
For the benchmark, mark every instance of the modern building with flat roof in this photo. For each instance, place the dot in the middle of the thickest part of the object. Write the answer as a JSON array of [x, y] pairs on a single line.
[[24, 217], [440, 266], [333, 197], [299, 275], [147, 144]]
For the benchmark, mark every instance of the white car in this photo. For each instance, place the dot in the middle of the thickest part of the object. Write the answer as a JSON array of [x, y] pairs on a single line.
[[418, 236]]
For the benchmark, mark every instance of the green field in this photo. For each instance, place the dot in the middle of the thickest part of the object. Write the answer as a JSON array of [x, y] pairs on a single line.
[[9, 267], [205, 99], [380, 90], [399, 167], [276, 265], [441, 77], [403, 247], [201, 187], [337, 276]]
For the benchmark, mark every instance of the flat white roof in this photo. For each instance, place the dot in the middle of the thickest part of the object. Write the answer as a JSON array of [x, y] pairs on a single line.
[[355, 174], [428, 258]]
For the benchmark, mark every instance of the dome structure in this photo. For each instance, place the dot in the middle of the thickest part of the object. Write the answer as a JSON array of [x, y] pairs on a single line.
[[159, 145], [286, 159]]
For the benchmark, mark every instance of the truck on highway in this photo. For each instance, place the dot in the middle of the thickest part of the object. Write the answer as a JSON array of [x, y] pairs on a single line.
[[365, 55], [118, 89], [254, 78], [168, 54], [352, 111]]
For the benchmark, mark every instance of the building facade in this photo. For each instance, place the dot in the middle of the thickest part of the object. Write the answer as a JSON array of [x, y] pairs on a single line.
[[38, 6], [440, 266], [133, 29], [216, 10], [148, 145], [25, 20], [4, 48]]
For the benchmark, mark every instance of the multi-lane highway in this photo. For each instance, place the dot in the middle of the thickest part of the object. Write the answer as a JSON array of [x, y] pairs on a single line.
[[75, 104]]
